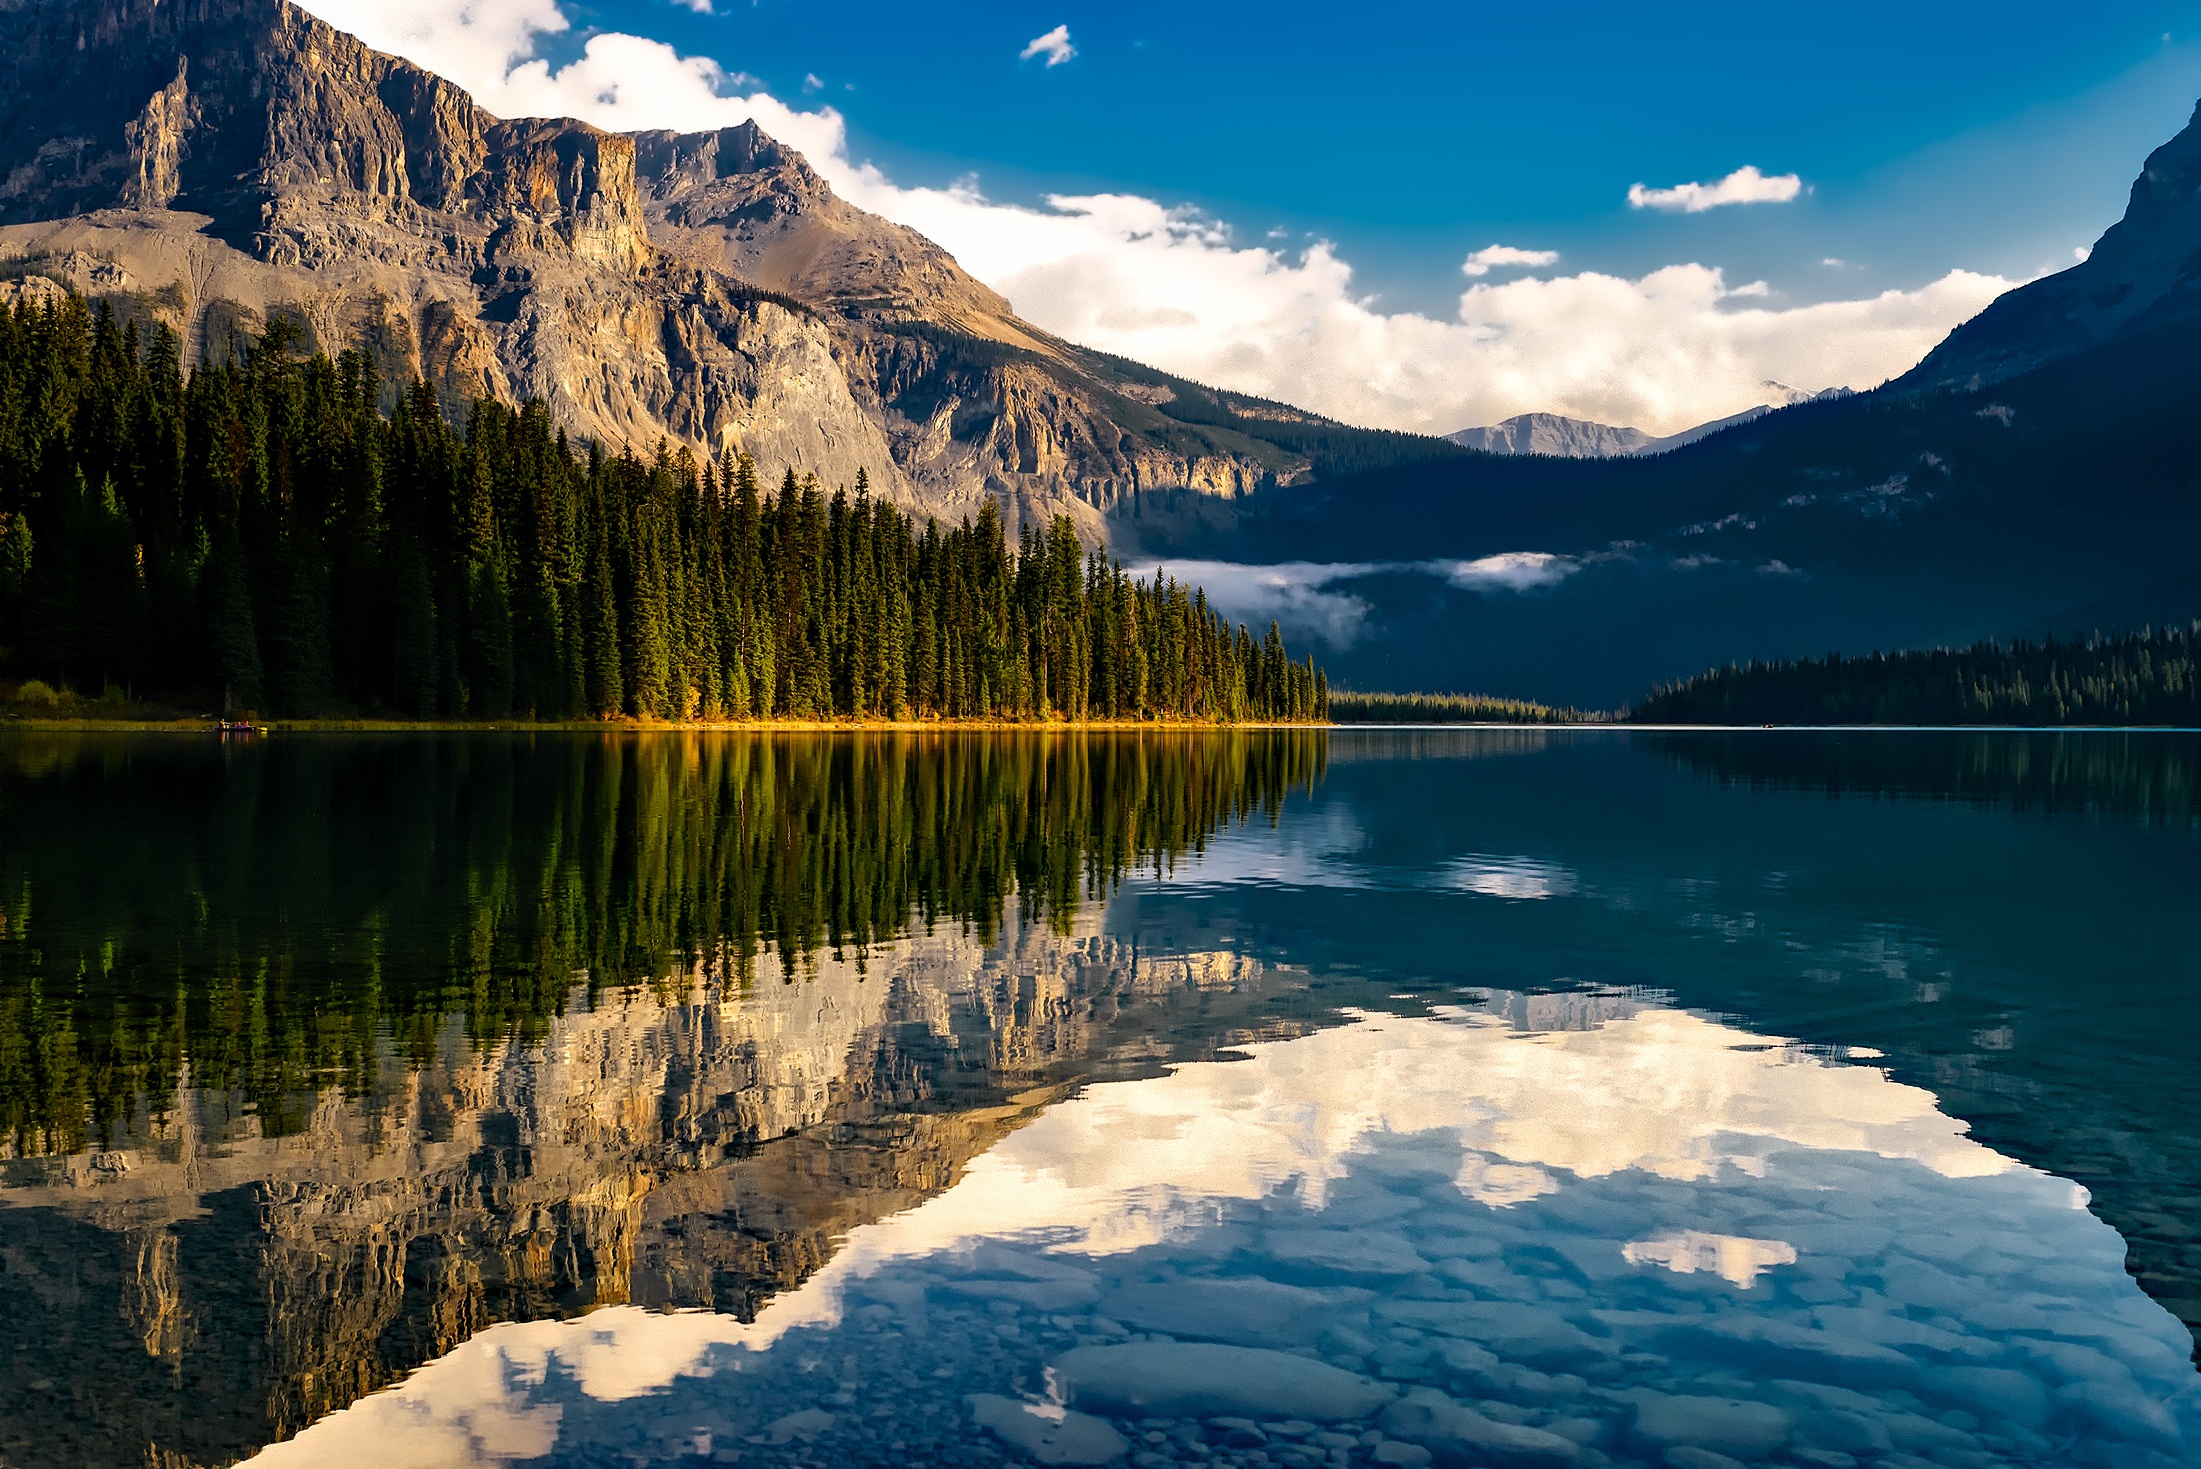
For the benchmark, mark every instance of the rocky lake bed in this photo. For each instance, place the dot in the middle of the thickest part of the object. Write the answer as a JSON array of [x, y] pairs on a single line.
[[1429, 1303]]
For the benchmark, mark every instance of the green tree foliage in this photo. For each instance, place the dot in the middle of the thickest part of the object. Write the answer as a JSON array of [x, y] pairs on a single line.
[[261, 532], [1348, 708], [2143, 678], [499, 878]]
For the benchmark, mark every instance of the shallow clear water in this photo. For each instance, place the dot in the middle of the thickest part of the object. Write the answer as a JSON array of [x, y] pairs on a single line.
[[1377, 1098]]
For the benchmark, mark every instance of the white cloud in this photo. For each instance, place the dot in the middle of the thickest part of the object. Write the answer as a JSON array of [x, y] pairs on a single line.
[[1293, 594], [472, 43], [1305, 596], [1744, 186], [812, 82], [1055, 46], [1498, 257], [1666, 350], [1515, 571]]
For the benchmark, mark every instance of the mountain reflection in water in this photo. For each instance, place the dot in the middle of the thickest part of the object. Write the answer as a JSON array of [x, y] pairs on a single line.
[[1603, 1239], [933, 1084]]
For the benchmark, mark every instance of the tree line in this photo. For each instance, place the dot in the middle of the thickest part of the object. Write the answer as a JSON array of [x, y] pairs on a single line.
[[1352, 708], [2142, 678], [262, 533]]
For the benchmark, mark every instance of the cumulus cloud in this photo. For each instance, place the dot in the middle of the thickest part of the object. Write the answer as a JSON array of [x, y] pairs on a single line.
[[1744, 186], [473, 42], [1055, 46], [1498, 257], [1666, 350]]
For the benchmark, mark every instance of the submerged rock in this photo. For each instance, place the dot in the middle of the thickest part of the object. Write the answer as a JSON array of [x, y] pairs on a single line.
[[1248, 1312], [1204, 1380], [1462, 1436], [1690, 1458], [1514, 1330], [1361, 1254], [1724, 1425], [1050, 1435], [805, 1425], [2002, 1394], [1763, 1342]]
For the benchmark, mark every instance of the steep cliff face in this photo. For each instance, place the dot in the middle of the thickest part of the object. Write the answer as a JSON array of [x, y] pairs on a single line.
[[737, 200], [973, 399], [216, 163], [2143, 274]]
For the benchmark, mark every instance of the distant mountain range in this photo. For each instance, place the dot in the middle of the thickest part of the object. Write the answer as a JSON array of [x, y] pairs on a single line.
[[2034, 475], [1557, 437]]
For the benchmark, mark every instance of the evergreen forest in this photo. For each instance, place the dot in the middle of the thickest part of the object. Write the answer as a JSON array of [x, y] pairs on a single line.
[[260, 535], [2139, 678], [1351, 708]]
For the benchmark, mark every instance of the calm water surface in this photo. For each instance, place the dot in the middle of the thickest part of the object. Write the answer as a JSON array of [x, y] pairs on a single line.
[[1468, 1098]]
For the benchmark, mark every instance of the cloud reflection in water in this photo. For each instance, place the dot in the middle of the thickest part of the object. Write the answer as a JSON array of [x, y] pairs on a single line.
[[1520, 1204]]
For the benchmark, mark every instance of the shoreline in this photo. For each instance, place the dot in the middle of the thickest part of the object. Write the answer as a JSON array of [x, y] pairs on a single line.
[[636, 726], [203, 726]]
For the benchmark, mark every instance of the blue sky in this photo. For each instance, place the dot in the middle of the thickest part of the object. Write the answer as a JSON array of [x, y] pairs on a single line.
[[1397, 138], [1993, 136]]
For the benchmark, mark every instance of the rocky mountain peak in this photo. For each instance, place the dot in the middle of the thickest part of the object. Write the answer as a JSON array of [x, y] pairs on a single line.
[[269, 122], [215, 164], [687, 160], [2144, 273], [738, 200]]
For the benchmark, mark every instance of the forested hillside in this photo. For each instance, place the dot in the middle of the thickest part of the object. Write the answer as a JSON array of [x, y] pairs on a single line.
[[261, 536], [1352, 708], [2143, 678]]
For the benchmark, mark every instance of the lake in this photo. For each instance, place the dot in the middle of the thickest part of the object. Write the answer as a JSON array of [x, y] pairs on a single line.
[[1380, 1097]]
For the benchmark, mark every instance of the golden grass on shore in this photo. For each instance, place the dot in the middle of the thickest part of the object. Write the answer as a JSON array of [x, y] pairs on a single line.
[[98, 724]]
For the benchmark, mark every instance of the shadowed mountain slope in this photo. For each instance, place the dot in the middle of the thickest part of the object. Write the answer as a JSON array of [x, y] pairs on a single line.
[[2035, 475], [2144, 275]]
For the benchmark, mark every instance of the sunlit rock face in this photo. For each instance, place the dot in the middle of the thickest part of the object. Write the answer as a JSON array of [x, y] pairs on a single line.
[[219, 164], [1779, 1256]]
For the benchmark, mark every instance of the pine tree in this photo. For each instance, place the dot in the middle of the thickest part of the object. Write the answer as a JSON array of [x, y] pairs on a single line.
[[232, 634], [261, 527]]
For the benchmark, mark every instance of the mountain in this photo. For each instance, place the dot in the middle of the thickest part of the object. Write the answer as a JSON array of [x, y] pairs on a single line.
[[2035, 475], [1555, 436], [218, 164], [2143, 276]]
